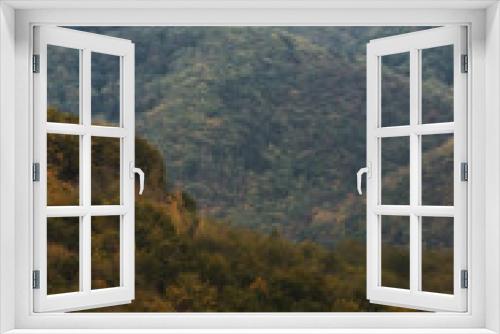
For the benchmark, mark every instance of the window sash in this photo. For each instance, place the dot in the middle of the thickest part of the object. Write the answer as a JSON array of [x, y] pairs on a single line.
[[413, 43], [86, 297]]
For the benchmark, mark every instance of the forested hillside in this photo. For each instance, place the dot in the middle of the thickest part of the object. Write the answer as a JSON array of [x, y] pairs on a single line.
[[188, 262], [265, 127], [250, 139]]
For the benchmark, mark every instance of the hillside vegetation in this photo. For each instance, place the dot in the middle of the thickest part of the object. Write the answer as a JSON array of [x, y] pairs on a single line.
[[250, 139], [188, 262], [264, 127]]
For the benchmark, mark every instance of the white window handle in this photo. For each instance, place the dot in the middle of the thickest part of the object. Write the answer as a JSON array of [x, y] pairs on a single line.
[[359, 174], [134, 170]]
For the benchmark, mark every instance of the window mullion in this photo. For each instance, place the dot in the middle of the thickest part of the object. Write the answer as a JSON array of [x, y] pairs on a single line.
[[415, 228], [85, 165]]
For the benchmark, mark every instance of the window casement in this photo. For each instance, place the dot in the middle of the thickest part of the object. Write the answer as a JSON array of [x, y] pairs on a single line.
[[409, 213], [86, 209]]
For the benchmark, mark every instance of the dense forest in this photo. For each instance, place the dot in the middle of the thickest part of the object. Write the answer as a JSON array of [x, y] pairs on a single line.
[[250, 139]]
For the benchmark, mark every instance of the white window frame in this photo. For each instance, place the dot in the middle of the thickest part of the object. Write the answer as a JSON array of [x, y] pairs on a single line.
[[85, 44], [413, 44], [16, 20]]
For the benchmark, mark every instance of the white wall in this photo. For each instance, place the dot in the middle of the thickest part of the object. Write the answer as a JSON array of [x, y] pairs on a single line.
[[7, 20], [492, 211]]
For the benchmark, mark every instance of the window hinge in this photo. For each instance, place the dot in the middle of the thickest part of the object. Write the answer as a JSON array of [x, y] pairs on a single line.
[[36, 63], [36, 279], [464, 279], [36, 172], [465, 64], [464, 171]]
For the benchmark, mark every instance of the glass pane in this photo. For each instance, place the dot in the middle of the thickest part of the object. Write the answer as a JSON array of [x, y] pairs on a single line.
[[437, 169], [395, 170], [63, 169], [105, 171], [105, 252], [63, 250], [437, 84], [395, 89], [396, 251], [437, 254], [105, 89], [63, 84]]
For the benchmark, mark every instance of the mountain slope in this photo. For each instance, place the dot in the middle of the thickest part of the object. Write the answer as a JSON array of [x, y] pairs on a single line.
[[186, 262], [264, 127]]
